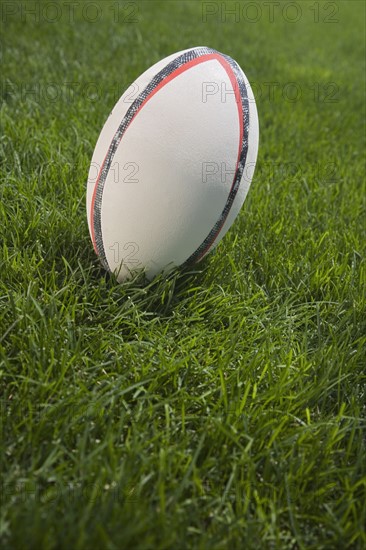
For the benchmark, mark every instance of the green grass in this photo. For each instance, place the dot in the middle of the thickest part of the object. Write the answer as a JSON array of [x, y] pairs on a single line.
[[222, 407]]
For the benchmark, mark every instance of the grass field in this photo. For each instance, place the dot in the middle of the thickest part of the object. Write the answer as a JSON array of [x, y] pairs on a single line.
[[221, 407]]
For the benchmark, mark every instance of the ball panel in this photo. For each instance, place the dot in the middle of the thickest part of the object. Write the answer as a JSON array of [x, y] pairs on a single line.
[[248, 173]]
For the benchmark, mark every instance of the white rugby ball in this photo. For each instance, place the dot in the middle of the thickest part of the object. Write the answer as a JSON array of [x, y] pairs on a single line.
[[173, 164]]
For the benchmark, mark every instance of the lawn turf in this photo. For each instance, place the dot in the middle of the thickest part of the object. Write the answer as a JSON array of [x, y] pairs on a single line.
[[221, 407]]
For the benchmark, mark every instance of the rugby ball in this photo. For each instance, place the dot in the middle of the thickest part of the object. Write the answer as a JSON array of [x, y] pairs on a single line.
[[173, 164]]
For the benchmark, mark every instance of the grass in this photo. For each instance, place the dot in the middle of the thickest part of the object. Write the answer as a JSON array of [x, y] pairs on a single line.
[[221, 407]]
